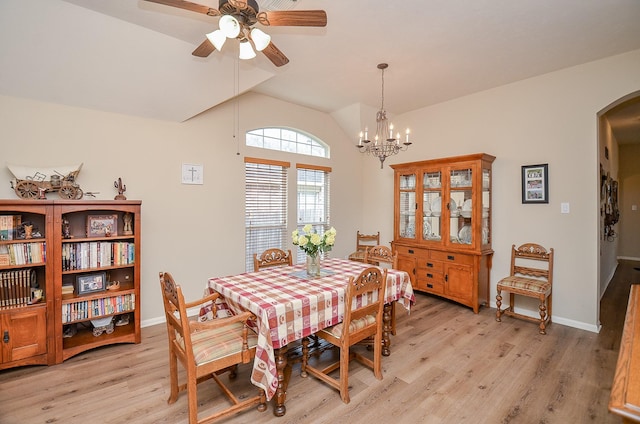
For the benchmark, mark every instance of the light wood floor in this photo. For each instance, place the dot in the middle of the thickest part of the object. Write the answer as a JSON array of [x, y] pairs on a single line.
[[447, 365]]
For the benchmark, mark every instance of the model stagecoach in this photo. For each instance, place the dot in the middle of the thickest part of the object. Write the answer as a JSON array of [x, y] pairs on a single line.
[[34, 183]]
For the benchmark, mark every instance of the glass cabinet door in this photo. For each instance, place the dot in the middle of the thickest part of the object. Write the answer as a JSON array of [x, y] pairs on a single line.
[[407, 222], [460, 206], [432, 206], [486, 206]]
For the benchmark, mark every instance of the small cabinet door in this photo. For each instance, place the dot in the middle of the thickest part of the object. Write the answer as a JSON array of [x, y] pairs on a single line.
[[24, 333], [408, 264], [459, 281]]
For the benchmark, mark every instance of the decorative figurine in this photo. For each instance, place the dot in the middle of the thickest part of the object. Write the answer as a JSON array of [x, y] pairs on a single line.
[[121, 189], [66, 229], [127, 224], [28, 231], [34, 183]]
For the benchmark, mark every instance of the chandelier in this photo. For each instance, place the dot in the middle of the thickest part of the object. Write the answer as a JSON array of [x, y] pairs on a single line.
[[384, 144]]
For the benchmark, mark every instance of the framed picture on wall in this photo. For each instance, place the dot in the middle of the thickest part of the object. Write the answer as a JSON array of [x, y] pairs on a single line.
[[535, 183]]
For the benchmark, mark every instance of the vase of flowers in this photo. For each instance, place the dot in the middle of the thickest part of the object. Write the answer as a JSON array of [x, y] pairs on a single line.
[[313, 265], [314, 245]]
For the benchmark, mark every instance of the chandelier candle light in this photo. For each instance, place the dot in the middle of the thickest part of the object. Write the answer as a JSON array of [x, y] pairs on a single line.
[[313, 244], [384, 144]]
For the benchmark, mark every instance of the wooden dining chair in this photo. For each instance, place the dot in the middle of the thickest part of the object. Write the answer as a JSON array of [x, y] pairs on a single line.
[[364, 299], [383, 256], [525, 279], [272, 257], [363, 241], [206, 350]]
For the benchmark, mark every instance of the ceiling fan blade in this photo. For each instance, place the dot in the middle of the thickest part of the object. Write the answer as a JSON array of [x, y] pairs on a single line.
[[187, 5], [275, 55], [314, 18], [204, 49]]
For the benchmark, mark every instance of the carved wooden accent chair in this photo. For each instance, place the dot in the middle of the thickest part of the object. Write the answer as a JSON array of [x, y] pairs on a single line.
[[205, 350], [361, 320], [528, 280], [363, 241], [272, 257], [383, 256]]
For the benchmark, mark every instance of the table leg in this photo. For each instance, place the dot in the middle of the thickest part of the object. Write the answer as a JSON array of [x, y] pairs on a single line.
[[284, 373], [386, 330]]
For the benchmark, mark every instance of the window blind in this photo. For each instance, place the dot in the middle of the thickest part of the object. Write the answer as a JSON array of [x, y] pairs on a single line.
[[265, 207], [313, 200]]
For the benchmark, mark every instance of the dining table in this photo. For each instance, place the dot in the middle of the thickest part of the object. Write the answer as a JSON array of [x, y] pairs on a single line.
[[289, 306]]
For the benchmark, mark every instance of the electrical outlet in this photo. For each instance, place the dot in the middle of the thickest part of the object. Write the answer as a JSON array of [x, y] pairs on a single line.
[[564, 208]]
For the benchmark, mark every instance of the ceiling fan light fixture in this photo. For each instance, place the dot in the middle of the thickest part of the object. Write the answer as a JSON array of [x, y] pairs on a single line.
[[229, 26], [260, 39], [217, 38], [246, 51]]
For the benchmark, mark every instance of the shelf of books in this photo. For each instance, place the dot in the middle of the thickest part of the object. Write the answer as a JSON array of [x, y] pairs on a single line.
[[26, 283], [97, 275]]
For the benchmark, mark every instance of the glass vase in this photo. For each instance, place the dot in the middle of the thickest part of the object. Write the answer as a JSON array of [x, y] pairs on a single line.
[[313, 266]]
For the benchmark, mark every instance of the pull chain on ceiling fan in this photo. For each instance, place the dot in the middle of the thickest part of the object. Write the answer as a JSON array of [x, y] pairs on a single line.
[[237, 20]]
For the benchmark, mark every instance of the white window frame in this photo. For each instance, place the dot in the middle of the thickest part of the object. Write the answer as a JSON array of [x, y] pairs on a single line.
[[287, 140], [313, 196]]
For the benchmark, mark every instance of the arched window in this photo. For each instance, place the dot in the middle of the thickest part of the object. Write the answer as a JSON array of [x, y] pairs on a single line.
[[287, 140]]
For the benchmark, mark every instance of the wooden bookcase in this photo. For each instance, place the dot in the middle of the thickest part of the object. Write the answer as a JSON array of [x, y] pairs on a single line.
[[35, 333], [442, 226], [25, 327], [82, 255]]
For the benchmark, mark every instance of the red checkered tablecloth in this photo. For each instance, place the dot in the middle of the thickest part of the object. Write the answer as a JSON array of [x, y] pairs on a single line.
[[288, 306]]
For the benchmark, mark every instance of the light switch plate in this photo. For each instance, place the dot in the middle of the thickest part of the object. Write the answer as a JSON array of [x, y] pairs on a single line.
[[192, 173], [564, 208]]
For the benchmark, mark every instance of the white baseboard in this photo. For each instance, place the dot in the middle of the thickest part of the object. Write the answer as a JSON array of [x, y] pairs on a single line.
[[161, 320], [557, 320], [628, 258]]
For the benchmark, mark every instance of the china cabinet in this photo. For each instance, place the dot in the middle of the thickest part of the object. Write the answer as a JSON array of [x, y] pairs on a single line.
[[442, 226]]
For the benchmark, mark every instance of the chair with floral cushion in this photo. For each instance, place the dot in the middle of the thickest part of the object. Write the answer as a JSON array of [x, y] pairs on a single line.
[[362, 319], [525, 279], [206, 350], [272, 257]]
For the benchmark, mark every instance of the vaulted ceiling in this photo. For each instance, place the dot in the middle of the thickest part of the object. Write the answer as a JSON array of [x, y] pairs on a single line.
[[134, 57]]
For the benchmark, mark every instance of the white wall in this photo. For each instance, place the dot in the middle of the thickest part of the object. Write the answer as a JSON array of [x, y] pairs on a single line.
[[195, 232], [198, 231], [547, 119]]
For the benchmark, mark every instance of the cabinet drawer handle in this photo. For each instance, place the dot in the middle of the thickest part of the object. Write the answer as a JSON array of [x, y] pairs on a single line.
[[429, 275], [411, 251], [429, 265], [430, 286], [450, 257], [446, 278], [5, 338]]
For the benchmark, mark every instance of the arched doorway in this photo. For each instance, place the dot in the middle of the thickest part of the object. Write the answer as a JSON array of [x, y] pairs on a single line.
[[619, 151]]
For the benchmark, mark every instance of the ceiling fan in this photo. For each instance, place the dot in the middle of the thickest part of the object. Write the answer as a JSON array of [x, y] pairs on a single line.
[[237, 20]]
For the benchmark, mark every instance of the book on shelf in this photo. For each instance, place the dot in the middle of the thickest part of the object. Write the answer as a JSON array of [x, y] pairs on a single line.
[[9, 226], [5, 257], [96, 308], [16, 287]]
